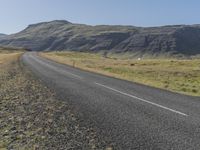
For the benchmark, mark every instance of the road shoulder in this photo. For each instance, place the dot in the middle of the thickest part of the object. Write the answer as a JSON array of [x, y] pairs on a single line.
[[32, 117]]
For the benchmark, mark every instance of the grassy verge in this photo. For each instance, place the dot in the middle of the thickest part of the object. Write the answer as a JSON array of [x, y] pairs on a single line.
[[182, 76], [32, 118]]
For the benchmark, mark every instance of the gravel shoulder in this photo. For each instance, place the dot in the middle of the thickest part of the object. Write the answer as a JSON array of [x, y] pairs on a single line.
[[31, 117]]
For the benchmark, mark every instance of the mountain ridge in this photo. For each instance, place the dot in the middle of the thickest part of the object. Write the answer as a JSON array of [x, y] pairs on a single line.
[[64, 35]]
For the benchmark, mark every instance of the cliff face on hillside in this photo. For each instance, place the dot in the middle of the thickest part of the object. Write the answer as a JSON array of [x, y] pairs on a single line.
[[63, 35]]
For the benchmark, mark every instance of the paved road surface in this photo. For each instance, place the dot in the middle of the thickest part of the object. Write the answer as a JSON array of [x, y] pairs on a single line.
[[130, 115]]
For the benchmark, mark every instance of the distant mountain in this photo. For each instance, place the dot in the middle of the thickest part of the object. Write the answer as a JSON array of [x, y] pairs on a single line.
[[140, 41], [2, 35]]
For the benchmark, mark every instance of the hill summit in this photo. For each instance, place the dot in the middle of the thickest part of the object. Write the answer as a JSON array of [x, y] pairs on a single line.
[[64, 35]]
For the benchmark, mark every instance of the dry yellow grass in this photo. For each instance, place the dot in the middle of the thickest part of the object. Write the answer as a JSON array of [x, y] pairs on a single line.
[[182, 76], [5, 58]]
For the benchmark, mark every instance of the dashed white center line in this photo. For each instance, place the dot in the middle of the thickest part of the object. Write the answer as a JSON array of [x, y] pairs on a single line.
[[115, 90], [143, 100], [77, 76], [57, 69]]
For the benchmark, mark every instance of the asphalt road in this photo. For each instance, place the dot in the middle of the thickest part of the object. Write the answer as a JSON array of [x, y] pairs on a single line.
[[128, 115]]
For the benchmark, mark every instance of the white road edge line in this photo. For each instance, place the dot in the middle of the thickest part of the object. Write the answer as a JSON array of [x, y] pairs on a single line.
[[146, 101]]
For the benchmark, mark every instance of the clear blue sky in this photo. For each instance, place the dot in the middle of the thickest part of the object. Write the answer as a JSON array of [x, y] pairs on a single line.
[[15, 15]]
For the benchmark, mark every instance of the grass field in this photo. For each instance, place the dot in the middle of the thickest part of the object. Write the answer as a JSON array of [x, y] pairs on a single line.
[[6, 58], [182, 76], [7, 55]]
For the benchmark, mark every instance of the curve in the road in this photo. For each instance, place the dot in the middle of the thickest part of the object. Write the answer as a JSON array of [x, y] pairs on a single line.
[[132, 116]]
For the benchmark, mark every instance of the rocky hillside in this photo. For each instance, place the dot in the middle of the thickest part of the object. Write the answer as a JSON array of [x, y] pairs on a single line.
[[63, 35]]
